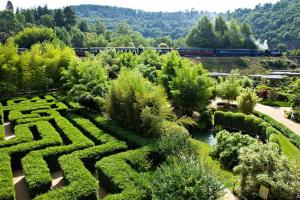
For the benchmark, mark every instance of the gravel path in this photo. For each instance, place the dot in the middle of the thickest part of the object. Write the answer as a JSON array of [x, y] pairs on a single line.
[[20, 186], [9, 134], [277, 113]]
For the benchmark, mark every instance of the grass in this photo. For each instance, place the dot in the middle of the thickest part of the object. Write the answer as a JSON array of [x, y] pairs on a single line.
[[288, 149], [268, 102], [227, 177]]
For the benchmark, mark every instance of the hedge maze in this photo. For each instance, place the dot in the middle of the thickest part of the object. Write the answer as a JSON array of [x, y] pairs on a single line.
[[90, 151]]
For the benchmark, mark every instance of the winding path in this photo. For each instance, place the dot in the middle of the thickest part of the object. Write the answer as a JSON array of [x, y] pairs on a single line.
[[277, 113]]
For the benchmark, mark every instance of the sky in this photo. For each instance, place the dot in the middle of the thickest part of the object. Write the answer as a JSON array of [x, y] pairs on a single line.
[[147, 5]]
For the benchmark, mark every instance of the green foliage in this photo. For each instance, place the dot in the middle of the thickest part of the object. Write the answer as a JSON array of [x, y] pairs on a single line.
[[202, 36], [170, 63], [228, 89], [247, 82], [228, 147], [220, 35], [176, 142], [276, 23], [187, 179], [249, 124], [247, 101], [136, 103], [293, 137], [38, 68], [86, 80], [263, 165], [9, 24], [191, 88], [30, 36], [150, 24]]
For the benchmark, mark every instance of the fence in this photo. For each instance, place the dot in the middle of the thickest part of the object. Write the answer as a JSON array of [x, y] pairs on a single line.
[[16, 93]]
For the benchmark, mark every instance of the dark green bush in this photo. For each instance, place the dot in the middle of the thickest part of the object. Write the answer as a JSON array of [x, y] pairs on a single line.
[[228, 147], [249, 124], [189, 179]]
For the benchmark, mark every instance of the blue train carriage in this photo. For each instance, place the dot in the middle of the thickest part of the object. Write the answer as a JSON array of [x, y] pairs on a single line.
[[195, 52], [233, 52]]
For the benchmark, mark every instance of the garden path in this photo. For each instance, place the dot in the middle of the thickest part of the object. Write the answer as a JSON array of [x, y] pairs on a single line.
[[277, 113]]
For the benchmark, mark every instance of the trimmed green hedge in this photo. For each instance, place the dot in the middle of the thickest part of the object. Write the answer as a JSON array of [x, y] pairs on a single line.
[[116, 173], [37, 163], [111, 127], [80, 183], [249, 124], [23, 134], [10, 156], [293, 137], [49, 138], [7, 190], [2, 132]]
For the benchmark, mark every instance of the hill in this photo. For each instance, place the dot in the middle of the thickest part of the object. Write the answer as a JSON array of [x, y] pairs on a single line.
[[276, 23], [150, 24]]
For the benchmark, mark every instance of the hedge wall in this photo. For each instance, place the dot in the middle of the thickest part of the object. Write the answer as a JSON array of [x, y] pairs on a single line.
[[2, 132], [80, 183], [38, 178], [293, 137], [249, 124], [132, 139], [116, 173]]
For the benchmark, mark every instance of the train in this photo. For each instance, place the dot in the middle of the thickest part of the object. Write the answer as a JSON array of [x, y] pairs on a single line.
[[184, 52]]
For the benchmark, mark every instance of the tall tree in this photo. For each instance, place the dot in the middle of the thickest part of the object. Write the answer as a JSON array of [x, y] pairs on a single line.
[[83, 26], [220, 25], [100, 27], [70, 18], [59, 18], [9, 6], [203, 35]]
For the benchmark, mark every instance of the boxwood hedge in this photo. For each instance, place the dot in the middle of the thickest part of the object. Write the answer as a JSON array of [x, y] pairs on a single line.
[[22, 133], [37, 165], [293, 137], [80, 183], [132, 139], [7, 191], [249, 124], [118, 175]]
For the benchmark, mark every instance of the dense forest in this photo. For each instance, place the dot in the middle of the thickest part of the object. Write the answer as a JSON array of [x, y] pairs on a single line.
[[150, 24], [276, 23]]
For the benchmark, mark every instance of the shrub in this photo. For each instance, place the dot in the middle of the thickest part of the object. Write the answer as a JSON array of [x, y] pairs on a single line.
[[249, 124], [247, 101], [176, 142], [228, 147], [138, 104], [191, 88], [30, 36], [228, 89], [263, 165], [188, 179]]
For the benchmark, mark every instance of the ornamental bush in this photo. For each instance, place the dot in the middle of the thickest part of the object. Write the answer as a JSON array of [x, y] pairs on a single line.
[[189, 179], [228, 147], [262, 164], [247, 101], [138, 104]]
